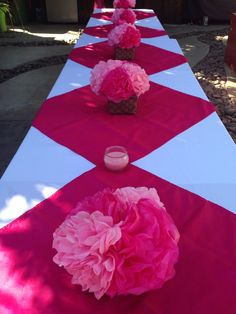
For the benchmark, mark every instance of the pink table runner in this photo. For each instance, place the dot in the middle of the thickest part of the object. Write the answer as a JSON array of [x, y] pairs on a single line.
[[205, 280]]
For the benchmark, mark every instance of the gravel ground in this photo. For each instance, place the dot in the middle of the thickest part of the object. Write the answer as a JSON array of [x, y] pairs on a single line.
[[32, 43], [210, 71], [212, 76]]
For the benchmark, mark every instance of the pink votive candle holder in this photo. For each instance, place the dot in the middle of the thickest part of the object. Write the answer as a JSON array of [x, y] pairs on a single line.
[[116, 158]]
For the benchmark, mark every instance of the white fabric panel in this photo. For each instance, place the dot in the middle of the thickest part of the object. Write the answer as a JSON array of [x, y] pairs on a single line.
[[201, 160], [151, 22], [73, 75], [97, 22], [145, 10], [180, 78], [39, 168], [103, 10], [85, 40], [163, 42]]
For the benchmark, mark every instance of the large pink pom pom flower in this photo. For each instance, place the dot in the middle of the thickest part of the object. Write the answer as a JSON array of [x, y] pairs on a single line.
[[125, 36], [118, 242], [123, 16], [118, 80], [124, 4]]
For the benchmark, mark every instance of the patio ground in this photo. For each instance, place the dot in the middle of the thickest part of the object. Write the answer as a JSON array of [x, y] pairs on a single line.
[[32, 60]]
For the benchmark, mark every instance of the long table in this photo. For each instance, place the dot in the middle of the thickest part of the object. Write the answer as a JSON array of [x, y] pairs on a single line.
[[176, 143]]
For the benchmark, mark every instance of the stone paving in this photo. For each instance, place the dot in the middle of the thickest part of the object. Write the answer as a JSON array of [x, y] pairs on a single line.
[[39, 33], [31, 62], [22, 95], [193, 49], [27, 74]]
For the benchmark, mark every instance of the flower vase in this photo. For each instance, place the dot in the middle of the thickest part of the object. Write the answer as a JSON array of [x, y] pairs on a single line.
[[124, 53], [127, 106]]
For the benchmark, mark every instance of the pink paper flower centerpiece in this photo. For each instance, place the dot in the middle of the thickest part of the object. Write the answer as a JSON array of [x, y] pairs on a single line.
[[119, 81], [125, 38], [123, 16], [118, 242], [124, 4]]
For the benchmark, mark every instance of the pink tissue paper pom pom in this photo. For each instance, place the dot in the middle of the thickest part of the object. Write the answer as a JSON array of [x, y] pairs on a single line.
[[83, 241], [118, 242], [124, 4], [118, 80], [125, 36], [138, 77], [100, 71], [123, 16]]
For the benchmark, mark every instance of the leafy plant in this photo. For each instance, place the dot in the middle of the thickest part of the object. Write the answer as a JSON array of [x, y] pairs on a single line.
[[5, 8]]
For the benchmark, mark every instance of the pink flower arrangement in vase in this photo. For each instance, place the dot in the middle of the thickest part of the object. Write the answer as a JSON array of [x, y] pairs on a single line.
[[118, 242], [121, 82], [125, 38], [125, 4], [123, 16]]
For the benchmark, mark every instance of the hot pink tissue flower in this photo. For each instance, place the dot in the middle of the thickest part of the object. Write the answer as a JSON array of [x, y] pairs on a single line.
[[128, 16], [117, 85], [123, 16], [125, 36], [118, 242], [148, 247], [131, 38], [124, 4]]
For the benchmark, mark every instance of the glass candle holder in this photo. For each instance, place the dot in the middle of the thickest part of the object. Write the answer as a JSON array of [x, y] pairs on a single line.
[[116, 158]]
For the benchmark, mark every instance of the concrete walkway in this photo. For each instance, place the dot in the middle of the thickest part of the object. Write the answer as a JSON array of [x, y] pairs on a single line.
[[22, 95], [11, 58]]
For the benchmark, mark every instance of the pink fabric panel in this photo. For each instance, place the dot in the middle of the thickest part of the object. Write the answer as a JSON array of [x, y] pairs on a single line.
[[103, 30], [205, 280], [107, 15], [79, 121], [152, 59]]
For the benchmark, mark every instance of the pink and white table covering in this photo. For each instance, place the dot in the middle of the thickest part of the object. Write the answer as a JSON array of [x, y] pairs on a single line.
[[176, 143]]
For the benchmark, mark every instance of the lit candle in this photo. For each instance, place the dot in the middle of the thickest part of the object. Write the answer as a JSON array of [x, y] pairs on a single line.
[[116, 158]]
